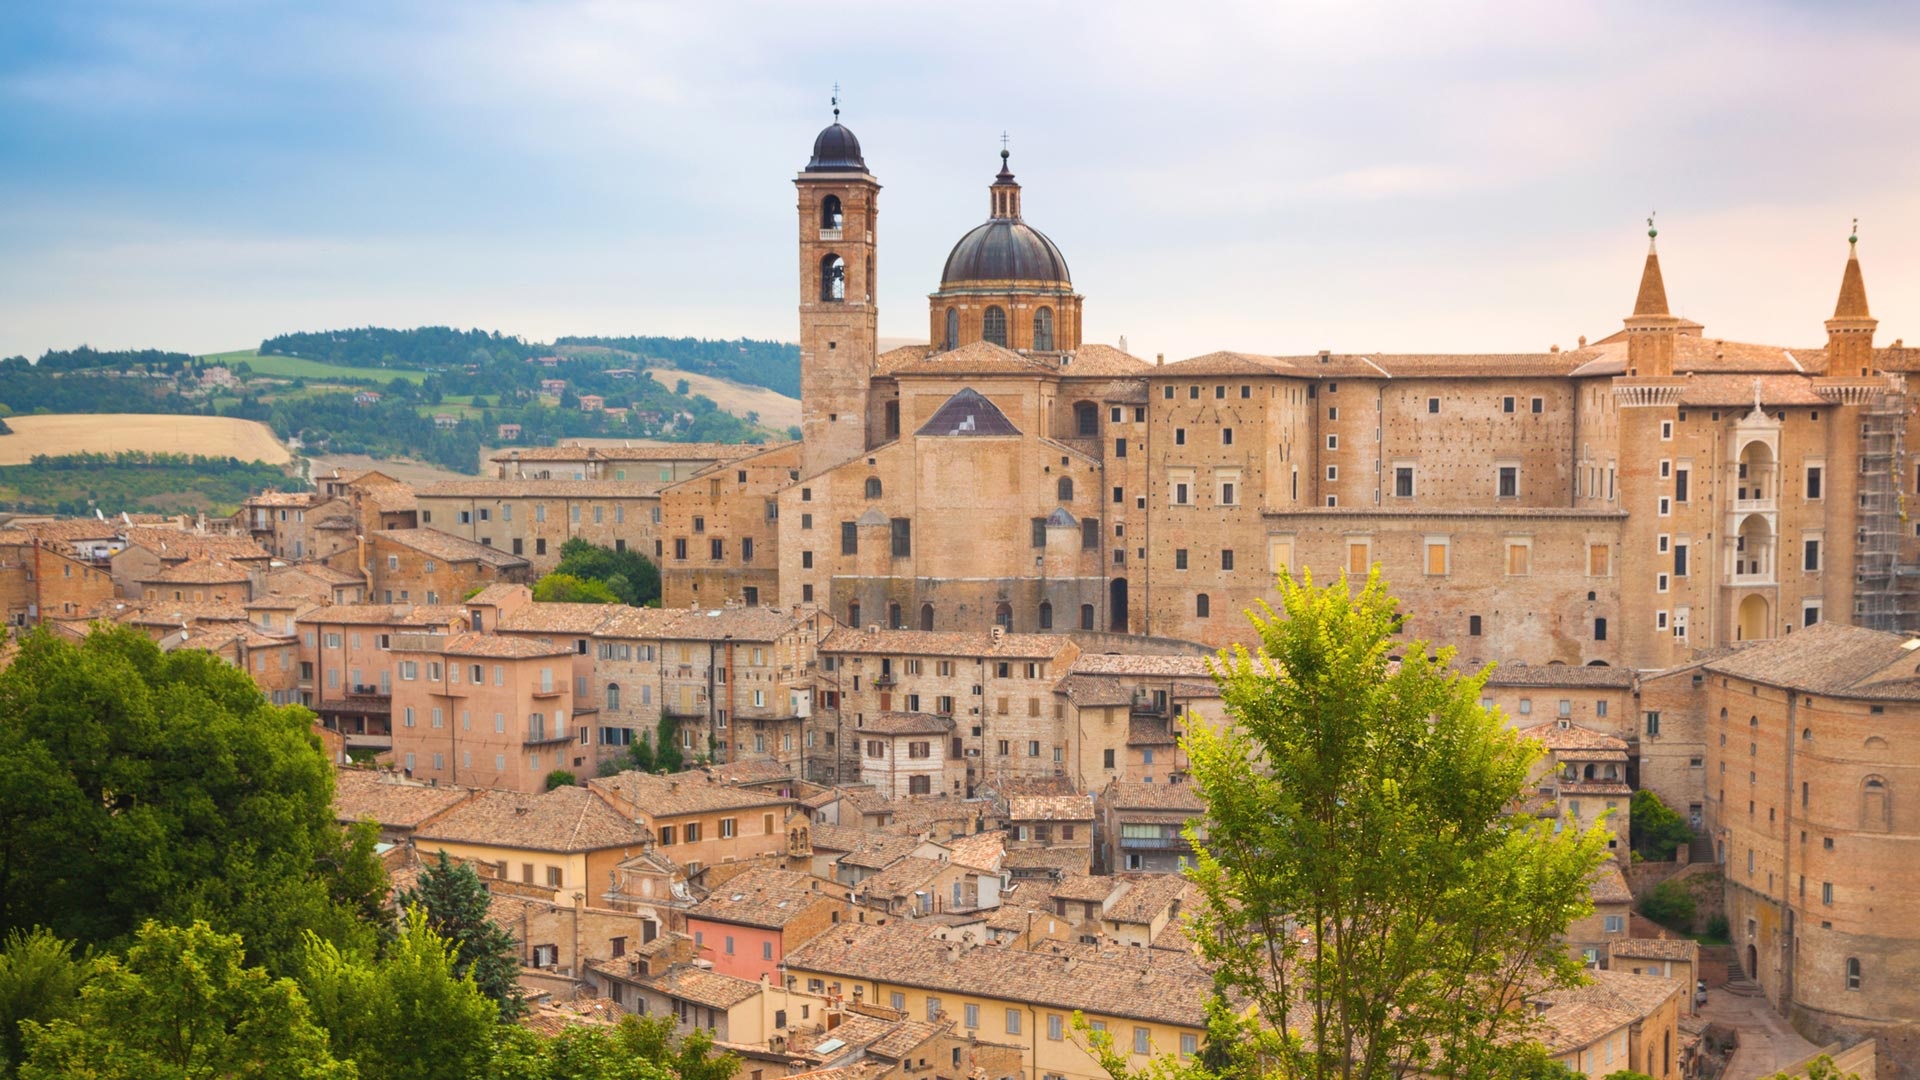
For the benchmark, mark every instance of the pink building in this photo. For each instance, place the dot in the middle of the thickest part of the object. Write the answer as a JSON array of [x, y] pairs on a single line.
[[483, 710], [749, 922]]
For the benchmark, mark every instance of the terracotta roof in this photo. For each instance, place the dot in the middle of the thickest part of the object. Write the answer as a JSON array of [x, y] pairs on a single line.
[[1142, 898], [942, 643], [172, 543], [1103, 360], [901, 878], [1736, 391], [905, 723], [1083, 888], [175, 612], [748, 771], [1572, 737], [540, 617], [763, 897], [470, 644], [1055, 860], [1050, 808], [450, 548], [738, 623], [904, 1037], [862, 847], [700, 986], [1652, 298], [202, 572], [322, 572], [975, 358], [632, 622], [73, 529], [517, 488], [564, 819], [300, 499], [1150, 731], [1155, 665], [1595, 787], [1089, 691], [1674, 948], [1577, 1016], [1130, 795], [421, 615], [1831, 658], [681, 793], [1609, 885], [703, 451], [1561, 675], [362, 795], [1164, 987], [888, 361], [982, 851]]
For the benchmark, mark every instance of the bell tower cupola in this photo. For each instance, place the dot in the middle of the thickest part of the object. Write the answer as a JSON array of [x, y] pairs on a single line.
[[1652, 328], [839, 313], [1850, 331]]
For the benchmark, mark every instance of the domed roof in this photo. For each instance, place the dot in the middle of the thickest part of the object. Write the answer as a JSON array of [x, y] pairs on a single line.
[[1005, 249], [836, 149]]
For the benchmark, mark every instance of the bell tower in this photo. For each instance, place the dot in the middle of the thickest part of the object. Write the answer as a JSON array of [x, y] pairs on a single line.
[[839, 315], [1850, 331]]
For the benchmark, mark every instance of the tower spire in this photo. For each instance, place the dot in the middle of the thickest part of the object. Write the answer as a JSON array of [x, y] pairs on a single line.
[[1005, 193], [1652, 299], [1853, 288], [1850, 331]]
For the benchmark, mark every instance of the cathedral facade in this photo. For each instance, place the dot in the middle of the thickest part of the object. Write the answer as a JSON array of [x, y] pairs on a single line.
[[1622, 502]]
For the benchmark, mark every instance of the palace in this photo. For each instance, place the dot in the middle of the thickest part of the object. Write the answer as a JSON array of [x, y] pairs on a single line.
[[1620, 503]]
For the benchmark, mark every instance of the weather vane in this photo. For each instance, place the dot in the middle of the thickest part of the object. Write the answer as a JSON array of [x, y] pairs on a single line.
[[1854, 237], [836, 102], [1651, 231]]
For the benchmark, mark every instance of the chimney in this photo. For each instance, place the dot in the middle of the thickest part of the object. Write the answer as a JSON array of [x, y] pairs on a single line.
[[998, 634], [1159, 358]]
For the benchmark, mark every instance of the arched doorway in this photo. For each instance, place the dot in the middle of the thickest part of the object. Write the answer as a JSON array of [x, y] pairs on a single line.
[[1753, 624], [1753, 963], [1117, 605]]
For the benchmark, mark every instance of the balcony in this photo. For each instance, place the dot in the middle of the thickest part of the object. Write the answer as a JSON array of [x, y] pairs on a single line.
[[883, 681], [541, 738], [684, 712], [550, 691], [1755, 505], [367, 690]]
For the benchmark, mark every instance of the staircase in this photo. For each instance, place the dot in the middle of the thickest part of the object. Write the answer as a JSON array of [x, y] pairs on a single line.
[[1738, 982]]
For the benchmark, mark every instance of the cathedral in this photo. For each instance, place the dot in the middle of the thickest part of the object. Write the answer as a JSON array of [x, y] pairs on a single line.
[[1621, 503]]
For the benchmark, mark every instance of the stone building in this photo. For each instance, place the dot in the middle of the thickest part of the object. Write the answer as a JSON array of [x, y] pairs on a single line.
[[719, 538], [1807, 763], [531, 519], [299, 525], [484, 710], [427, 566]]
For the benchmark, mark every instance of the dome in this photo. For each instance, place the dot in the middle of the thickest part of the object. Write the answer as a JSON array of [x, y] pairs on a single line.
[[836, 149], [1005, 249]]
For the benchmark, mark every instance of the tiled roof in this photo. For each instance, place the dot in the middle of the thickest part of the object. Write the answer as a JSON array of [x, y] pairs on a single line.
[[738, 623], [905, 723], [1572, 737], [1142, 898], [1674, 948], [967, 413], [421, 615], [748, 771], [171, 543], [1090, 691], [902, 878], [862, 847], [943, 643], [1609, 885], [1595, 787], [681, 793], [450, 548], [1166, 665], [540, 617], [975, 358], [1162, 987], [468, 644], [704, 451], [1150, 731], [1577, 1016], [904, 1037], [1831, 658], [762, 896], [1057, 860], [322, 572], [73, 529], [1561, 675], [1050, 808], [1130, 795], [632, 622], [500, 593], [564, 819], [362, 794], [516, 488], [982, 851], [1103, 360], [887, 362], [700, 986], [1082, 887], [175, 612], [201, 572]]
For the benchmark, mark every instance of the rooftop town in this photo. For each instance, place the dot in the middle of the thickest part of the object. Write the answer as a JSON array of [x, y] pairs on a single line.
[[929, 668]]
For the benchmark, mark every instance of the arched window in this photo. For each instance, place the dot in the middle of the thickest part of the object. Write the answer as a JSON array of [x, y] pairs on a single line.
[[613, 695], [853, 615], [1203, 606], [833, 278], [1046, 614], [1086, 419], [830, 216], [1066, 489], [1853, 973], [953, 328], [1003, 617], [894, 620], [1876, 805], [993, 327], [873, 487], [1043, 329], [1086, 616], [926, 616]]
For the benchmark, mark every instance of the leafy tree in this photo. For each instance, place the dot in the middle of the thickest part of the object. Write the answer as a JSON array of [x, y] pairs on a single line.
[[1365, 888], [632, 576], [40, 980], [638, 1048], [561, 588], [666, 755], [1627, 1074], [561, 778], [1656, 830], [1670, 904], [680, 387], [406, 1017], [1820, 1068], [183, 1003], [137, 785], [455, 902], [640, 753]]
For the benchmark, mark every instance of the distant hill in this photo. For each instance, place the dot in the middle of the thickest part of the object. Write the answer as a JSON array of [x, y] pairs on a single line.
[[426, 347], [772, 364]]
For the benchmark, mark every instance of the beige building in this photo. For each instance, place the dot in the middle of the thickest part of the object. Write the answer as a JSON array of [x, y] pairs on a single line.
[[485, 710], [533, 518], [568, 838]]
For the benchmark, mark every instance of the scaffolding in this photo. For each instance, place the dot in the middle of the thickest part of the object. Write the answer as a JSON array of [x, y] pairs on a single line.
[[1880, 601]]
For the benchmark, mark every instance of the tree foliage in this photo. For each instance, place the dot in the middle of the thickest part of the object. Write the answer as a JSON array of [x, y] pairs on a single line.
[[631, 576], [407, 1016], [40, 981], [559, 588], [1670, 904], [182, 1003], [455, 901], [137, 785], [667, 755], [1367, 891], [1655, 830], [638, 1048]]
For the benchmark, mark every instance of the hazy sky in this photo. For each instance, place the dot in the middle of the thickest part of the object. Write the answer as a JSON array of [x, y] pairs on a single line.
[[1276, 177]]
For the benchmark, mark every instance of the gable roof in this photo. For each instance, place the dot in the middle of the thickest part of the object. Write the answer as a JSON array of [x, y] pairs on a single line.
[[564, 819], [968, 413], [450, 548]]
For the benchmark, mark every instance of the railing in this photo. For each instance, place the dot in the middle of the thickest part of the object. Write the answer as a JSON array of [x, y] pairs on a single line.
[[1741, 506], [550, 691], [883, 681], [368, 690], [538, 738]]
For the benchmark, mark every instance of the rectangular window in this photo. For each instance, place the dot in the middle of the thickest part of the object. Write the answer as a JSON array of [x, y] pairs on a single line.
[[1599, 560], [1179, 558], [1403, 481], [1436, 555], [1519, 558], [1679, 560], [1056, 1027], [1142, 1041], [1506, 404], [1509, 481], [972, 1015], [1433, 405], [849, 538], [1120, 445], [1038, 528], [1359, 557], [1013, 1021], [1682, 486], [1815, 474], [902, 530], [1226, 559], [1810, 552]]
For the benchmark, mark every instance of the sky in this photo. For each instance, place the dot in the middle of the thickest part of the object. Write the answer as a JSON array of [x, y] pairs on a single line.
[[1268, 177]]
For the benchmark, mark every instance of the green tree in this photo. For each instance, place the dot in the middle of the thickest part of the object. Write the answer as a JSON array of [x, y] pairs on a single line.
[[667, 757], [632, 576], [1366, 889], [680, 387], [638, 1048], [407, 1016], [1626, 1074], [1655, 830], [1670, 904], [640, 753], [455, 902], [561, 778], [561, 588], [1820, 1068], [40, 980], [183, 1003], [136, 785]]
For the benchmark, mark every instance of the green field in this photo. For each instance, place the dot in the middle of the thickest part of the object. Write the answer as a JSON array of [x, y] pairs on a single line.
[[293, 367]]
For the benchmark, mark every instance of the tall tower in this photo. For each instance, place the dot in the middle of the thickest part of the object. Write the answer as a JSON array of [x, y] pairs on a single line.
[[839, 316], [1850, 331], [1651, 329]]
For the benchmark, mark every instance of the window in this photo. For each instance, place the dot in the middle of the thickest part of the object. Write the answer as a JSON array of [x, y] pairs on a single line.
[[1142, 1041], [1826, 892], [1473, 626], [972, 1018], [1810, 552], [1519, 557], [902, 534], [1333, 442], [1202, 607], [1437, 555], [1506, 404], [1179, 558], [1599, 560], [1056, 1027], [1616, 924], [873, 487], [993, 326], [1853, 973], [1600, 629], [1814, 478], [1226, 558], [1403, 481], [849, 538], [1090, 534], [1509, 482], [1039, 530], [1189, 1044], [833, 278], [1013, 1021]]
